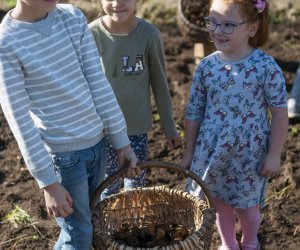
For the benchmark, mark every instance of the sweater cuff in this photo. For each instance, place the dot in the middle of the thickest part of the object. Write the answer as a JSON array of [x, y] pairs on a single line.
[[46, 177], [170, 131], [119, 140]]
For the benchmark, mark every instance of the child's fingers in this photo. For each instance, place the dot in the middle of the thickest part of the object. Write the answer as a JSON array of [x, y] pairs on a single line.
[[55, 212], [68, 210], [270, 174], [62, 213], [138, 171], [50, 212], [173, 142], [131, 173], [69, 199]]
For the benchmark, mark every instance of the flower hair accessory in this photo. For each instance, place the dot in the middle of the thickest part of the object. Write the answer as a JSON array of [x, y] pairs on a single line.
[[260, 5]]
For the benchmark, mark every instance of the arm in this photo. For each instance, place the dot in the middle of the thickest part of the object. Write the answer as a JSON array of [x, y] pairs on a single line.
[[104, 98], [191, 135], [15, 104], [279, 127], [16, 107], [106, 103], [276, 96], [194, 115], [159, 85]]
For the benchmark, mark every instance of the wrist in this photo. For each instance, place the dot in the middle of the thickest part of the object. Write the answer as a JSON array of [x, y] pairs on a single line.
[[50, 187], [274, 154]]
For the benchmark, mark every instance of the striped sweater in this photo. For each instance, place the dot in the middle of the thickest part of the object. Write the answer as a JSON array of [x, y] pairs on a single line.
[[53, 91]]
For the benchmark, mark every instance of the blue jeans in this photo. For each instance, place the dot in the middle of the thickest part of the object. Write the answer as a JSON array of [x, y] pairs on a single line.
[[80, 172], [139, 144]]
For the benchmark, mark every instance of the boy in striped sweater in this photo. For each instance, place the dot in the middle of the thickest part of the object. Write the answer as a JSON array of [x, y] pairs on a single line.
[[59, 105]]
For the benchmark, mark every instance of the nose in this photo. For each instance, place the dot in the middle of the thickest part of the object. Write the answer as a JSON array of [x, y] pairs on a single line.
[[117, 3], [218, 29]]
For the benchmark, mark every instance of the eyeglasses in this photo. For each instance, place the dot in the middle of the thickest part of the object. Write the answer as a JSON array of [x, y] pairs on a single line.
[[227, 27]]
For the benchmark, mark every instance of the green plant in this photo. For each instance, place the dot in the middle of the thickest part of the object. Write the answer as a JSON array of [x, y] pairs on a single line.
[[18, 217], [294, 132], [156, 117], [180, 130]]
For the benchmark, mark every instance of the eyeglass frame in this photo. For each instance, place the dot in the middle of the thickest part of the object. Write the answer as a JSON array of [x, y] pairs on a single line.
[[208, 18]]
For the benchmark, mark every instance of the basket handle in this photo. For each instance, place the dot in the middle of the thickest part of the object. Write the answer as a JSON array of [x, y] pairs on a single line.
[[152, 164]]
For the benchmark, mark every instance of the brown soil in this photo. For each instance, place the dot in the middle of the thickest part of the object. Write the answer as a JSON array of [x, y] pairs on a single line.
[[280, 228]]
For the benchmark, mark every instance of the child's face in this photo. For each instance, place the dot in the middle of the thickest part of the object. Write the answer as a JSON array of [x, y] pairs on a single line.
[[230, 32], [34, 10], [119, 10]]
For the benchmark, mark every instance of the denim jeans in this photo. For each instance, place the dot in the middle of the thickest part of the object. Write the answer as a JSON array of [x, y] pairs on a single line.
[[80, 172], [139, 144]]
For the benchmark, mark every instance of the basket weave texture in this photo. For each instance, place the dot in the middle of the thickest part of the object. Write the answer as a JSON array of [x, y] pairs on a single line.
[[159, 205], [190, 14]]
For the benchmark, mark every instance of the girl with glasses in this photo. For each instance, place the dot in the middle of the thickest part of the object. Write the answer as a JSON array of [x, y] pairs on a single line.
[[231, 141]]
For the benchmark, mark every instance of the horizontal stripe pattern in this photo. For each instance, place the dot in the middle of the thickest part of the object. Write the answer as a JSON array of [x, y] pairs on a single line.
[[53, 90]]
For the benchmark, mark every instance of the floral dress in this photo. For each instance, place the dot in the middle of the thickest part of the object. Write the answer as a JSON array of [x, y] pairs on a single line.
[[231, 100]]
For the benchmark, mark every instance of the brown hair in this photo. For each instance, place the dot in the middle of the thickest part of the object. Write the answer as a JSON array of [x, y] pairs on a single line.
[[251, 14], [101, 11]]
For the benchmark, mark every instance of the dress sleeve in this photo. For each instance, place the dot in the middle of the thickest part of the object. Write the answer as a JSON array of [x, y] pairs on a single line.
[[274, 86], [195, 109], [16, 108], [103, 95]]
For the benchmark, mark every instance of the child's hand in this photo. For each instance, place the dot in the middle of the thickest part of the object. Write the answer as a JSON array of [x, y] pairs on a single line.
[[58, 200], [127, 158], [271, 167], [173, 142]]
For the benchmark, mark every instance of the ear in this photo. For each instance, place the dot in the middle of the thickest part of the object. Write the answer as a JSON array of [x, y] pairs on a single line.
[[253, 27]]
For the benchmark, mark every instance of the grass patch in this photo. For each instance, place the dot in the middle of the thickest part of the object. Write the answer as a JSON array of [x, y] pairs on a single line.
[[294, 131], [18, 216]]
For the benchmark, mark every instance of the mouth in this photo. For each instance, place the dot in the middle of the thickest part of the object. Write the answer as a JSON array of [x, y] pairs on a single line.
[[220, 39], [118, 11]]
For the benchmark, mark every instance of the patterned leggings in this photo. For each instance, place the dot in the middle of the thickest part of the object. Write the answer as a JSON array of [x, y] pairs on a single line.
[[139, 144]]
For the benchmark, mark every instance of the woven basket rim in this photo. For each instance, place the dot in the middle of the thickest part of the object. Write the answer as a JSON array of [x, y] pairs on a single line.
[[152, 164], [205, 208], [186, 21], [198, 237], [197, 200]]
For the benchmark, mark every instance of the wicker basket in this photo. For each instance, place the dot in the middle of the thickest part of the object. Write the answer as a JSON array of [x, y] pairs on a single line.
[[159, 205], [190, 14]]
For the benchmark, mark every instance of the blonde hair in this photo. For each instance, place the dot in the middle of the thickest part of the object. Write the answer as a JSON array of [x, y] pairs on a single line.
[[251, 14], [101, 11]]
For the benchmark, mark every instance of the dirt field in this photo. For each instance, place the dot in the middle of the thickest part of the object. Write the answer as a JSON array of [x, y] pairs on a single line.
[[280, 227]]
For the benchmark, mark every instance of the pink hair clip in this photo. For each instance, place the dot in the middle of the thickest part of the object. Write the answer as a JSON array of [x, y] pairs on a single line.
[[260, 5]]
